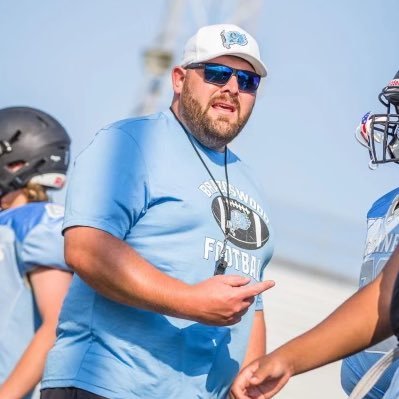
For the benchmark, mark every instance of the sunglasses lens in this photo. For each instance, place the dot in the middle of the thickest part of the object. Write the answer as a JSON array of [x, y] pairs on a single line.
[[217, 74], [220, 75], [248, 81]]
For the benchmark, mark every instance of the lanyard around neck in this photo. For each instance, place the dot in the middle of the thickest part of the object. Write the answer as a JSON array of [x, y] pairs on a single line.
[[221, 264]]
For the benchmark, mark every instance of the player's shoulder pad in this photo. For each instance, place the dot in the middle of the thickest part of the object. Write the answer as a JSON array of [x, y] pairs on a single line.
[[382, 205], [54, 211]]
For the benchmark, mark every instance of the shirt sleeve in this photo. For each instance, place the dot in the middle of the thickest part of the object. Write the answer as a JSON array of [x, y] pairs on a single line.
[[259, 302], [108, 188], [44, 246]]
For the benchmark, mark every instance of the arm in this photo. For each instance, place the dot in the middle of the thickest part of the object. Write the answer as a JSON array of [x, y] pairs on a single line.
[[359, 322], [49, 288], [257, 340], [118, 272]]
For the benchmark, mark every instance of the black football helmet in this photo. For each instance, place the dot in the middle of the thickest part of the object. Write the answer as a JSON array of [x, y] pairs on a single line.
[[34, 147], [380, 132]]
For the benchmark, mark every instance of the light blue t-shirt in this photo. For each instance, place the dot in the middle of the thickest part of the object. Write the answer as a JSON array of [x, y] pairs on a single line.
[[30, 236], [141, 181], [382, 239]]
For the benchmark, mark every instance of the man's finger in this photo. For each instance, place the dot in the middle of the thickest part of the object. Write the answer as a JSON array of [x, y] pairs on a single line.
[[248, 301], [234, 280], [258, 288]]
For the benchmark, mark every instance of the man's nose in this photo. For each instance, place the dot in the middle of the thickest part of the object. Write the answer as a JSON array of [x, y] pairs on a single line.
[[231, 85]]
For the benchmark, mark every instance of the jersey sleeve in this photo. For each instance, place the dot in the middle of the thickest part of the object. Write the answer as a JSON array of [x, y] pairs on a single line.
[[108, 189], [44, 246], [259, 299], [259, 302]]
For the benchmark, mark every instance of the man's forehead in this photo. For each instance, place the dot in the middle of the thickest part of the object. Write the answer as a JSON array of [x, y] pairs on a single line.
[[233, 61]]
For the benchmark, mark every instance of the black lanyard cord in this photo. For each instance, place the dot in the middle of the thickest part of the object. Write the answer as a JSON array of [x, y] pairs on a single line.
[[221, 264], [226, 202]]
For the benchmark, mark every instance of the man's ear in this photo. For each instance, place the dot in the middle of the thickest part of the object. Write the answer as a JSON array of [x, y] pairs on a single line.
[[178, 77]]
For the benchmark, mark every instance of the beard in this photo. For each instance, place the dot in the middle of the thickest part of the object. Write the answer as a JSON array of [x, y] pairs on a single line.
[[212, 133]]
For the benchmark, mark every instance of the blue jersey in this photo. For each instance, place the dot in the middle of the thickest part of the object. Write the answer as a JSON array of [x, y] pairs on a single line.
[[141, 181], [382, 239], [30, 236], [393, 390]]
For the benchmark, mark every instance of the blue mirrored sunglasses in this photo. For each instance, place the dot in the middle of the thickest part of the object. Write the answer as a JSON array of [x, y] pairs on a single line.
[[220, 74]]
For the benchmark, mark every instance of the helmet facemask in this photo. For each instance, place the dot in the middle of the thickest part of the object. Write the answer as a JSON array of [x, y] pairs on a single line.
[[380, 132]]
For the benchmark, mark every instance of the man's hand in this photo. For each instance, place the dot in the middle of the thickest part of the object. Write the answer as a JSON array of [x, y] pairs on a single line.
[[117, 271], [261, 379], [223, 300]]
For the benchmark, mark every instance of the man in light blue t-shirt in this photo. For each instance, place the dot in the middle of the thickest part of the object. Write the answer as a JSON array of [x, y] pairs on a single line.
[[168, 234]]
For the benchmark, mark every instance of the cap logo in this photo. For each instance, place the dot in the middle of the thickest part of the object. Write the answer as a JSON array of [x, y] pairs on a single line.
[[230, 38]]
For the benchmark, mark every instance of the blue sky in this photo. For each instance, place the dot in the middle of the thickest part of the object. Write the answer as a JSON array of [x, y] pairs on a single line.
[[82, 62]]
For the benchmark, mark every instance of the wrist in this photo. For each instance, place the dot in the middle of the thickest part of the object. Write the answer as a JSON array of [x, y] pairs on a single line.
[[184, 302], [173, 298]]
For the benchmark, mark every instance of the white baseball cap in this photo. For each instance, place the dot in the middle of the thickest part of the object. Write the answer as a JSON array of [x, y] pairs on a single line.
[[225, 39]]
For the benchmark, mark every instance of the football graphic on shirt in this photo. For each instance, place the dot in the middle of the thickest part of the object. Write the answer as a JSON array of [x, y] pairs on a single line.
[[247, 229]]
